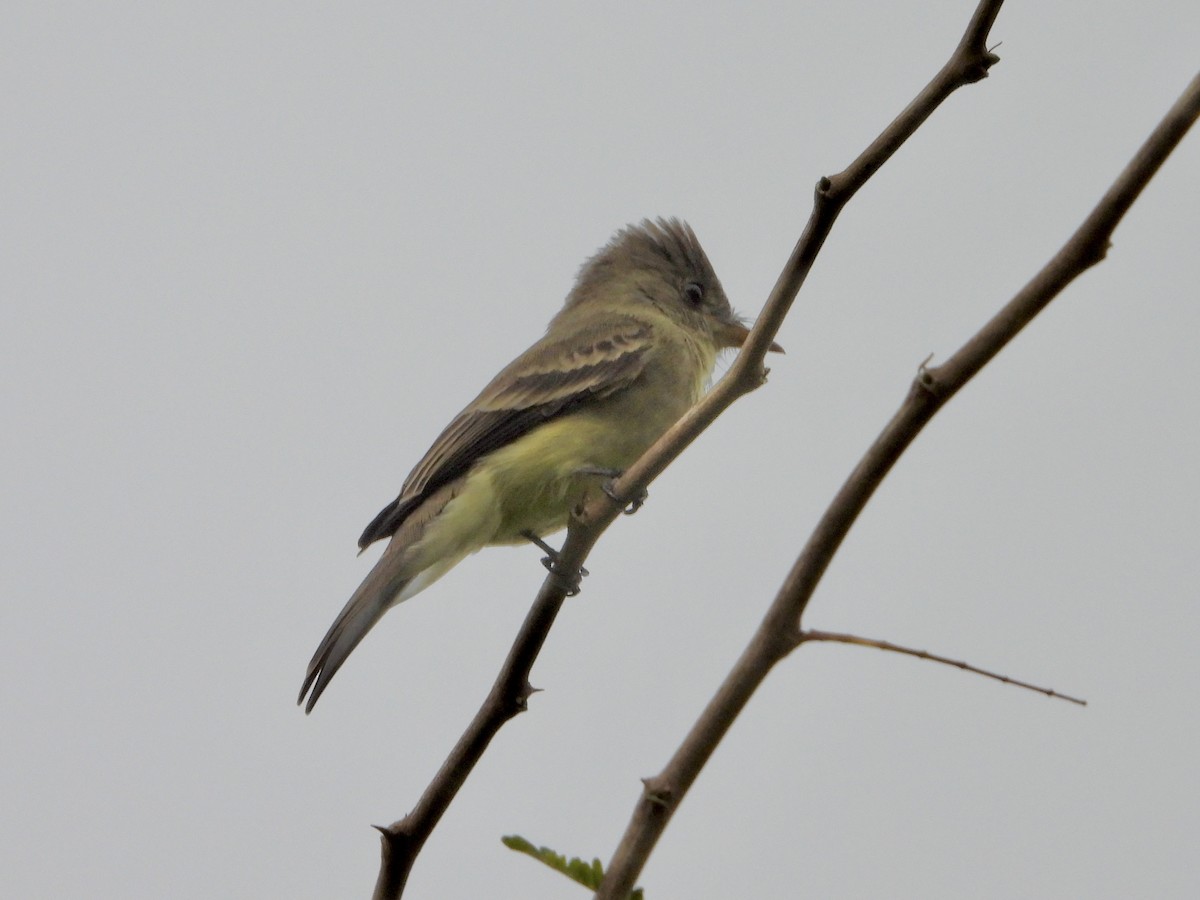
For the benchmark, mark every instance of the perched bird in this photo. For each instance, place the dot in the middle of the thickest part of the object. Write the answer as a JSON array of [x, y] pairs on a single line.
[[631, 350]]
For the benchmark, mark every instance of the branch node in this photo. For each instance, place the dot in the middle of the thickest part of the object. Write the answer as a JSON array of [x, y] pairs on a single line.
[[791, 638], [829, 193], [524, 692], [757, 379], [394, 836], [1096, 251], [977, 69], [927, 381], [657, 792]]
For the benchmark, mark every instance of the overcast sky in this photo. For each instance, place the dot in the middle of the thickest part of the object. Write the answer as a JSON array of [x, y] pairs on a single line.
[[254, 256]]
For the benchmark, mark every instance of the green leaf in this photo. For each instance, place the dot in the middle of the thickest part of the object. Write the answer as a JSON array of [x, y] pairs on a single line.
[[588, 874]]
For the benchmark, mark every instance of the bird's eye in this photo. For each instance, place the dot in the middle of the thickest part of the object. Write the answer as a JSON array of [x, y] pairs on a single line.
[[693, 293]]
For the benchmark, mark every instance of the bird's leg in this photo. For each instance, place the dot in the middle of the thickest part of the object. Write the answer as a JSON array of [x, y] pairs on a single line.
[[550, 561], [610, 476]]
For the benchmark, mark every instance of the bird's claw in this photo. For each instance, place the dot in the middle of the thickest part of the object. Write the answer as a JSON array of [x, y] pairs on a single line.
[[551, 561], [569, 582], [628, 507]]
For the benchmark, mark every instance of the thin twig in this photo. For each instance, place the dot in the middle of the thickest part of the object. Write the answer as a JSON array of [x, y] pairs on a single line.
[[838, 638], [779, 631]]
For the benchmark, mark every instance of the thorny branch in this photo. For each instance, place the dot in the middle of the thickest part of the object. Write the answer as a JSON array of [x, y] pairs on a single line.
[[402, 840], [780, 630]]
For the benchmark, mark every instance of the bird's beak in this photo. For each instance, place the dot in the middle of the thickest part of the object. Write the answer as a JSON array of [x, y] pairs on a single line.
[[734, 334]]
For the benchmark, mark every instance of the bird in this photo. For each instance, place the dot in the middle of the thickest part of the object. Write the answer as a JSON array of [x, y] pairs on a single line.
[[631, 350]]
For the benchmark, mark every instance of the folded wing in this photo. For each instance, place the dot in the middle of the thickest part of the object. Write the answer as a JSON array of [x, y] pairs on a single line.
[[552, 378]]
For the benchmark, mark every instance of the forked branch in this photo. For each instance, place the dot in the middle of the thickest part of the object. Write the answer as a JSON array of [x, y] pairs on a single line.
[[403, 840], [780, 630]]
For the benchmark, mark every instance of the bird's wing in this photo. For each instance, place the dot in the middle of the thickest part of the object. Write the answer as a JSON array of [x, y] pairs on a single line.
[[551, 378]]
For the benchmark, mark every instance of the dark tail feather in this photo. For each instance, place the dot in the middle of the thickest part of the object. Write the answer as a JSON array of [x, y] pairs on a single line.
[[365, 607]]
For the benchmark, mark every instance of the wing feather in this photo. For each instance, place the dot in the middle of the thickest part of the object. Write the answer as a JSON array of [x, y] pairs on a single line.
[[553, 377]]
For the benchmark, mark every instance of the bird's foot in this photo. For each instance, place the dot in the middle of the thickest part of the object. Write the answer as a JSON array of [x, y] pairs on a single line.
[[570, 582], [611, 475]]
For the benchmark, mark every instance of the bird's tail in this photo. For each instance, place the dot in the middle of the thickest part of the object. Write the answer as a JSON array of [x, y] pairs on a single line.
[[387, 584], [409, 565]]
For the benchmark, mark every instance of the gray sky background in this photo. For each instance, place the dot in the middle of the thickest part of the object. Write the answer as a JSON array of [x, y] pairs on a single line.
[[254, 257]]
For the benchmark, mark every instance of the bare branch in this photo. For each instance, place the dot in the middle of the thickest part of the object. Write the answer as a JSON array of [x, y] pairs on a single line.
[[779, 631], [837, 638], [402, 840]]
